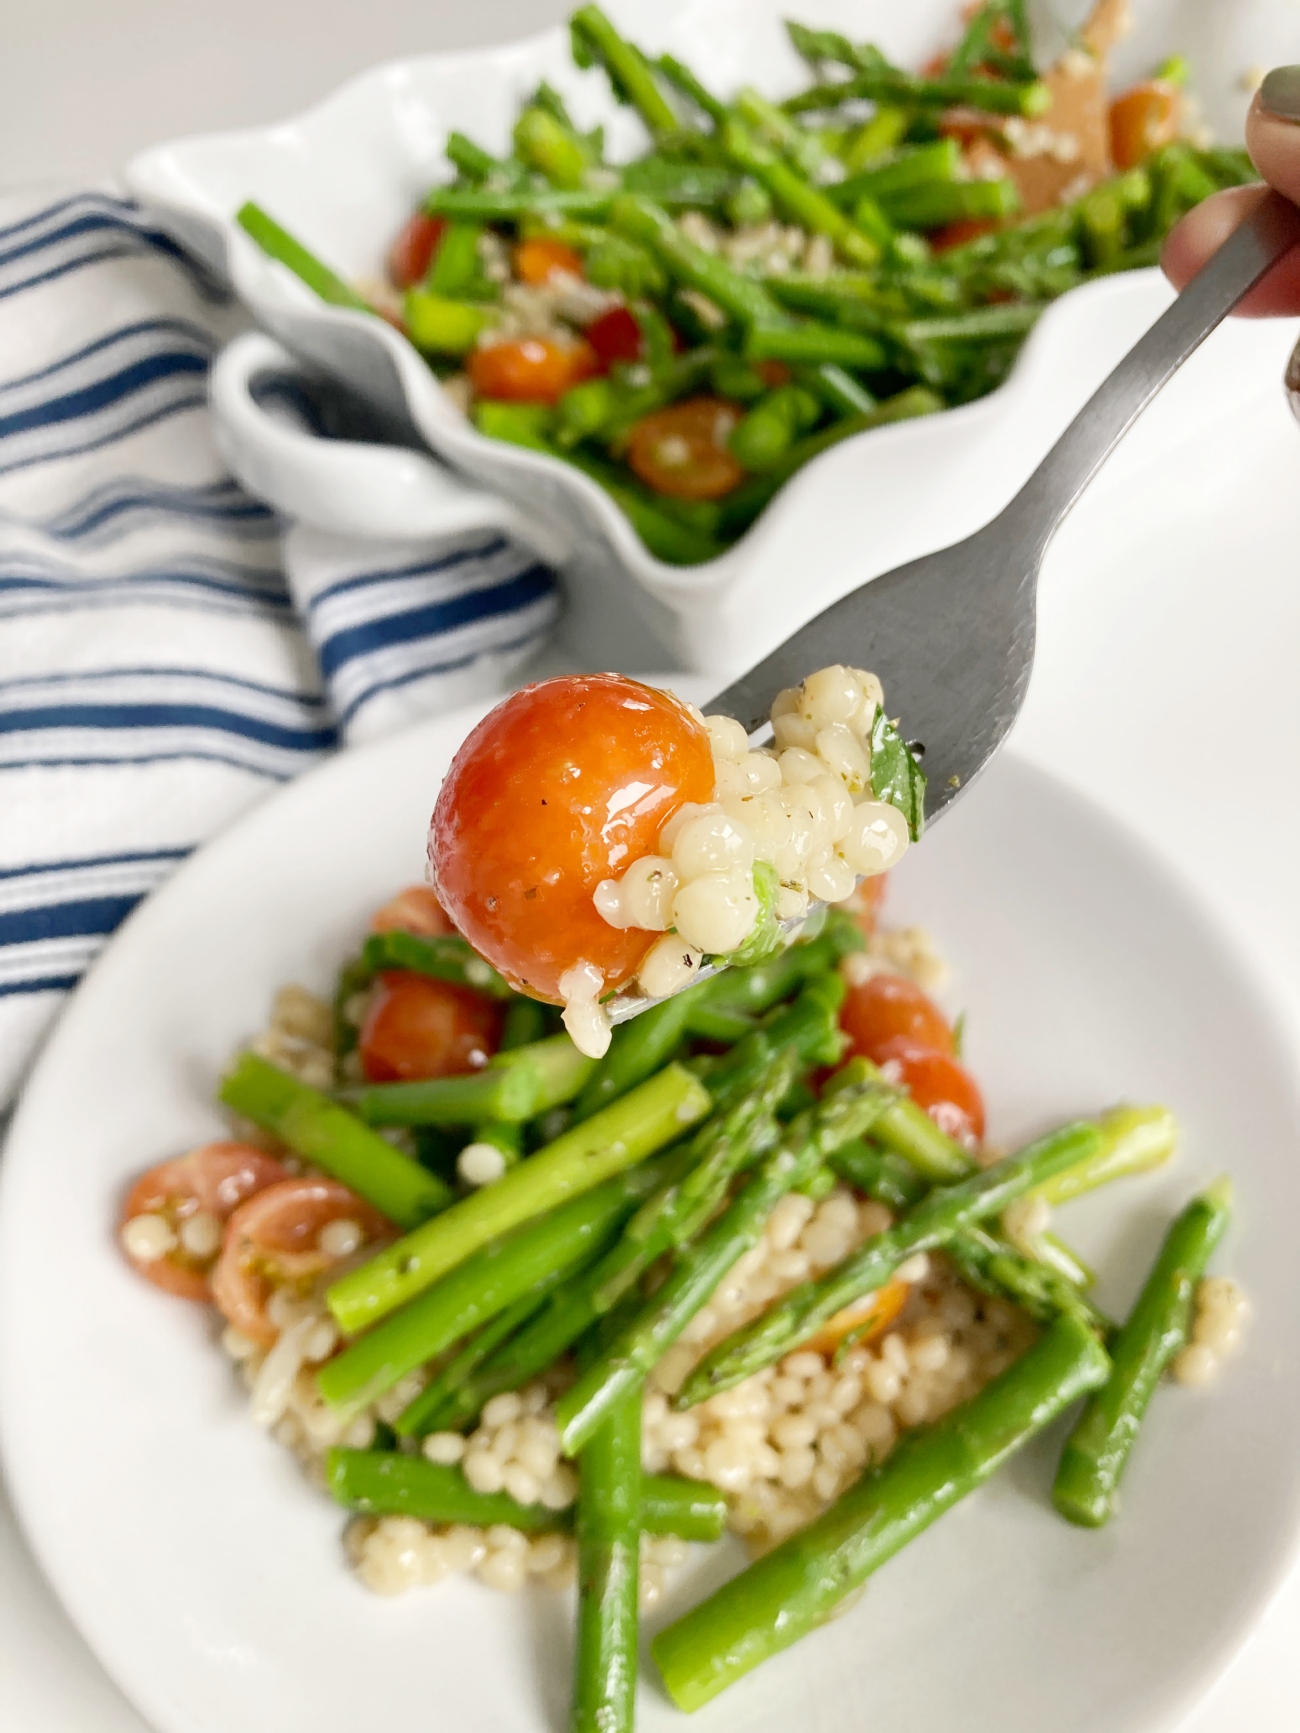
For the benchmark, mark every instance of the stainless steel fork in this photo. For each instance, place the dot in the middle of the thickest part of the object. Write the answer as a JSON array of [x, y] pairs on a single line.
[[951, 635]]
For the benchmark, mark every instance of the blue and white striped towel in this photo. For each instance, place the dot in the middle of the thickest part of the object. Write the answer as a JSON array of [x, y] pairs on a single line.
[[157, 672]]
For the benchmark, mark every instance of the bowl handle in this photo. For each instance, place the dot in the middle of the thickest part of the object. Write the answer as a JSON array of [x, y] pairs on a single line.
[[345, 487]]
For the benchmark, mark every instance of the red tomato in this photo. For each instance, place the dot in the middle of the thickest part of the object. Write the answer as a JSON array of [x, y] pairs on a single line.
[[1143, 119], [414, 910], [957, 234], [936, 1082], [563, 785], [273, 1241], [885, 1007], [412, 252], [866, 902], [417, 1027], [533, 370], [539, 260], [615, 336], [210, 1181], [682, 450]]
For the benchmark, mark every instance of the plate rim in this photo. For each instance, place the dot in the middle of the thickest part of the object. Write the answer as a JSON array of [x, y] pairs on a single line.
[[127, 1667]]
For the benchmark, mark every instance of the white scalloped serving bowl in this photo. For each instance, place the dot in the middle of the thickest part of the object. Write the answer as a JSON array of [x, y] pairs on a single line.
[[345, 175]]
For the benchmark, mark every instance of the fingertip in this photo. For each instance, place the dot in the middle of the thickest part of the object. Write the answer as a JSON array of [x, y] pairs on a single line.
[[1204, 230]]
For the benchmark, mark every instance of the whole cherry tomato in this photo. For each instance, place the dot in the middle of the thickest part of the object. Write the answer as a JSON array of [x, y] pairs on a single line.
[[191, 1197], [682, 450], [940, 1085], [531, 370], [413, 251], [277, 1239], [885, 1007], [563, 785], [537, 261], [417, 1027]]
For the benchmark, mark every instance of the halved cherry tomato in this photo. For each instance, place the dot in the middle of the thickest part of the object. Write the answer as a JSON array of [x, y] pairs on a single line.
[[273, 1241], [867, 901], [682, 450], [885, 1007], [416, 910], [864, 1319], [1142, 119], [211, 1181], [957, 234], [563, 785], [537, 261], [417, 1027], [615, 336], [940, 1085], [412, 252], [532, 370]]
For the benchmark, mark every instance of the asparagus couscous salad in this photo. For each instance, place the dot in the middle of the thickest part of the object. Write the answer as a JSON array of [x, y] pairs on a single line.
[[691, 327], [555, 1302]]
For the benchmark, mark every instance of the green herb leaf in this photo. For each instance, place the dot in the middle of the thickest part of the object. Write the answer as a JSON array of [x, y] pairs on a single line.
[[766, 937], [896, 774]]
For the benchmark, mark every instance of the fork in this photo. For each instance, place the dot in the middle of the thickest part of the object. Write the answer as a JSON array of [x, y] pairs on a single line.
[[951, 635]]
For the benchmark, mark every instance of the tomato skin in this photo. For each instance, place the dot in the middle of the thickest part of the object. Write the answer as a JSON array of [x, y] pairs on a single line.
[[562, 785], [682, 450], [417, 1027], [938, 1084], [214, 1179], [1142, 119], [416, 910], [773, 373], [532, 370], [272, 1240], [887, 1007], [867, 901], [538, 260], [615, 337], [413, 251], [957, 234]]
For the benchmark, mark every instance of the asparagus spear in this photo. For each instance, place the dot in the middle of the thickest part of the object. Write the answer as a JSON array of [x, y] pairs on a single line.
[[390, 1483], [1097, 1451], [796, 1587], [595, 40], [616, 1138], [797, 198], [609, 1551], [279, 244], [446, 958], [648, 1335], [929, 1226], [334, 1139], [726, 1144], [640, 219], [889, 85], [473, 1293], [1135, 1139], [514, 1086]]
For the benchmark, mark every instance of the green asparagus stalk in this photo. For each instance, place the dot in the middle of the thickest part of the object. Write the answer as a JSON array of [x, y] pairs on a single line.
[[731, 1141], [810, 344], [930, 207], [655, 1114], [390, 1483], [279, 244], [525, 1022], [472, 1294], [595, 40], [695, 1276], [333, 1139], [804, 149], [609, 1552], [473, 162], [889, 85], [514, 1086], [640, 219], [548, 146], [636, 1051], [1097, 1451], [920, 165], [929, 1226], [1134, 1140], [994, 1267], [797, 198], [510, 204], [765, 433], [796, 1587], [446, 958]]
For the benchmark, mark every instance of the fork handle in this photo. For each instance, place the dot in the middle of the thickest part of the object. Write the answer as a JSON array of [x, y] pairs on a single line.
[[1037, 511]]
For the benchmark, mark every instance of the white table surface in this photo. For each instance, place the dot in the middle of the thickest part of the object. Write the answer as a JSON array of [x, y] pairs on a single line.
[[1168, 694]]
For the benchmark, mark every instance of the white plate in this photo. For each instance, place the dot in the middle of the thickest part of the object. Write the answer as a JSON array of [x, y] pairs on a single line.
[[208, 1576]]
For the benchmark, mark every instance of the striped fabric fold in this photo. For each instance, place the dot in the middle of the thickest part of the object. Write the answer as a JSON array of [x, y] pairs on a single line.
[[167, 656]]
